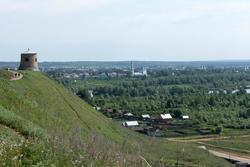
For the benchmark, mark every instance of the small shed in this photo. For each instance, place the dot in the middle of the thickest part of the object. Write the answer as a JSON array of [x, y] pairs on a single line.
[[97, 108], [185, 117]]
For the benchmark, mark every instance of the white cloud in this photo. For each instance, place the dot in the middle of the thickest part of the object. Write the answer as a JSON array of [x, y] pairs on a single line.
[[206, 9], [145, 27], [58, 6], [192, 11]]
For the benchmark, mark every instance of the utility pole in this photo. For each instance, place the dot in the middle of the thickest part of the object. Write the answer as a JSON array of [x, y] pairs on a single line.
[[183, 155], [177, 155]]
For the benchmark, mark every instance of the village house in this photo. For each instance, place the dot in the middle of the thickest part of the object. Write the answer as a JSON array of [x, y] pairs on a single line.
[[130, 124], [109, 110], [91, 93], [133, 125], [97, 108], [235, 91], [145, 117], [112, 74], [128, 116], [213, 92], [165, 118]]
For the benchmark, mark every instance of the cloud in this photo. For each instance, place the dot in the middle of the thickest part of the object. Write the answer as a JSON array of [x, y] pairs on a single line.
[[53, 6], [116, 27], [179, 10], [203, 10]]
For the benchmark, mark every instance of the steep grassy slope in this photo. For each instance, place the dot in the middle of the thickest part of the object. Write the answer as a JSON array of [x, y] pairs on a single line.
[[5, 74], [71, 133], [38, 98]]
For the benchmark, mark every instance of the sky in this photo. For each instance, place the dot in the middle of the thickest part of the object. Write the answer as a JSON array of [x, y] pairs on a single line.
[[116, 30]]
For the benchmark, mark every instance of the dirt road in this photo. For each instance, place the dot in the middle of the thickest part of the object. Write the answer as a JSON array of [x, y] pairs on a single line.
[[230, 155], [219, 152]]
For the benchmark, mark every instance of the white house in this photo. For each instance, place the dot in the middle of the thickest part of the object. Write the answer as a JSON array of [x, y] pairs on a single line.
[[235, 91], [98, 108], [130, 124], [128, 114], [145, 116], [91, 93], [211, 92], [166, 116], [248, 91]]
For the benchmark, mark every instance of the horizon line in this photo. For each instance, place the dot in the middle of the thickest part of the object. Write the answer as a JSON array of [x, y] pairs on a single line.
[[65, 61]]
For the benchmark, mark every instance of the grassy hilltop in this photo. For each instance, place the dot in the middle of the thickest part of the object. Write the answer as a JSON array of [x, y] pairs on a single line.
[[44, 124]]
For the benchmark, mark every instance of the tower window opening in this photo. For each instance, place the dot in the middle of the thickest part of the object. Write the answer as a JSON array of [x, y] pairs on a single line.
[[26, 59], [35, 59]]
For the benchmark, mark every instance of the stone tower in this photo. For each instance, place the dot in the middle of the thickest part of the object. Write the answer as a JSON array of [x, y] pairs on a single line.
[[29, 61]]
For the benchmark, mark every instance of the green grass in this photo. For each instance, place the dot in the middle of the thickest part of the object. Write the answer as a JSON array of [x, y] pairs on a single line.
[[25, 127], [235, 132], [8, 134], [49, 105], [5, 74], [78, 134]]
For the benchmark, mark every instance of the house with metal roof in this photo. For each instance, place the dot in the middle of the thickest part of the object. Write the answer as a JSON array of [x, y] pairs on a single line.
[[130, 124], [145, 116], [166, 116]]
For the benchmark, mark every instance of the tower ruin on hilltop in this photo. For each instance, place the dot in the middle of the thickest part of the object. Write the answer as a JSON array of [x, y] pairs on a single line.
[[29, 61]]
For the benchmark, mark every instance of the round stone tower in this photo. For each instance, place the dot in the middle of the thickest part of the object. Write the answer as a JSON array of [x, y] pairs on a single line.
[[29, 61]]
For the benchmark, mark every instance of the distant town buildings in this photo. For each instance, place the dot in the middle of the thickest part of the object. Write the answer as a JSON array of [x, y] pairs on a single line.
[[247, 91], [246, 68], [213, 92], [141, 73], [203, 67], [235, 91], [103, 76]]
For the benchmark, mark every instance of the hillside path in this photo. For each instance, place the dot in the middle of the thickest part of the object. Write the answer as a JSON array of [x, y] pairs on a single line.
[[203, 138]]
